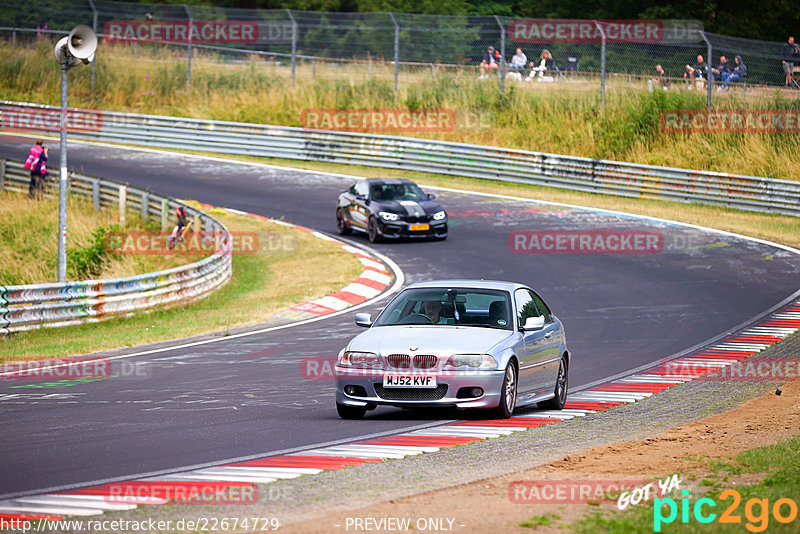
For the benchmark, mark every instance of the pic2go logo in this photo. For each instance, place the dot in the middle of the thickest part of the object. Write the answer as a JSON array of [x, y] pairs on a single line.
[[756, 511]]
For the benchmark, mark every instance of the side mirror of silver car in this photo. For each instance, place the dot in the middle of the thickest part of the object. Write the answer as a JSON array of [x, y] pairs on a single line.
[[533, 323], [364, 319]]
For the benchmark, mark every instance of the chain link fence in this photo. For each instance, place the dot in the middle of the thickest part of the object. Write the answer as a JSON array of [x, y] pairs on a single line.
[[588, 56]]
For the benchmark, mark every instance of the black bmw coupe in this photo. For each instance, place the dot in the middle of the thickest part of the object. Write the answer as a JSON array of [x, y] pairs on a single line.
[[390, 208]]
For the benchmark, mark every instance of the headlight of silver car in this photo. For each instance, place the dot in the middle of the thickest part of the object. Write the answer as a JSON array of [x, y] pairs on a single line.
[[359, 359], [471, 361], [386, 216], [439, 215]]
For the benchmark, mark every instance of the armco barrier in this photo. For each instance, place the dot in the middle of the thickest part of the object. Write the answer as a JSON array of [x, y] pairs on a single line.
[[405, 153], [32, 306]]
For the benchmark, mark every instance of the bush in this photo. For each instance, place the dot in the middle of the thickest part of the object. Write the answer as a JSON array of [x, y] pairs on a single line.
[[87, 262]]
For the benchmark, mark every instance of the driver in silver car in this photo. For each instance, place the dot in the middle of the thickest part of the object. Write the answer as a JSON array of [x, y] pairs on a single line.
[[433, 309]]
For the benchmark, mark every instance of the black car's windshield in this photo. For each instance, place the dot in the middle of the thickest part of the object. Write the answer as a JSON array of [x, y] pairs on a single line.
[[488, 308], [402, 191]]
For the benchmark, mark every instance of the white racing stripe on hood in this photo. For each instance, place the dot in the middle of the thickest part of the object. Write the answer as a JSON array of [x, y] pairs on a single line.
[[412, 208]]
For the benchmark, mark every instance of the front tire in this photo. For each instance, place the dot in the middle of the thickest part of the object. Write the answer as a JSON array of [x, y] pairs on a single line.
[[341, 223], [372, 231], [350, 412], [560, 393], [508, 393]]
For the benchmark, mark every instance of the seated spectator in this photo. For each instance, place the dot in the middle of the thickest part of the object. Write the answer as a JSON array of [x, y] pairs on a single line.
[[737, 73], [546, 63], [518, 61], [490, 62], [660, 77], [790, 54], [696, 71], [721, 69]]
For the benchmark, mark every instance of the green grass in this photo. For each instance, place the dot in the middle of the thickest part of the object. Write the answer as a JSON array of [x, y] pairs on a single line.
[[540, 521], [561, 118], [275, 278], [29, 242], [780, 472]]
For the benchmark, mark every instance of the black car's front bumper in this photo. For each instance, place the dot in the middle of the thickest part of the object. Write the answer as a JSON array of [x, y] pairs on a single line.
[[400, 230]]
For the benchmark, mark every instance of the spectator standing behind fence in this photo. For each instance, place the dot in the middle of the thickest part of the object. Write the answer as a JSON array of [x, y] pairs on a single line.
[[490, 62], [518, 61], [737, 73], [720, 70], [546, 63], [659, 78], [696, 71], [790, 54], [36, 163]]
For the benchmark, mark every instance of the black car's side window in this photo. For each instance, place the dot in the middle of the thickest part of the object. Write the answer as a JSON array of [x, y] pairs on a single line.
[[525, 306], [543, 309]]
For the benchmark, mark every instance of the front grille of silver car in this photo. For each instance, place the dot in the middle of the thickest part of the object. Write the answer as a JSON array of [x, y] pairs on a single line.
[[412, 394], [399, 361], [425, 361]]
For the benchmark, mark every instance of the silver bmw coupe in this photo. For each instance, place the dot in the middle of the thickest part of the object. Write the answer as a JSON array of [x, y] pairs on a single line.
[[463, 343]]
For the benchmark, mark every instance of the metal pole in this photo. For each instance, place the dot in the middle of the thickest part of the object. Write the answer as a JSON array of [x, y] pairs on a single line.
[[502, 56], [396, 51], [294, 44], [189, 63], [94, 29], [709, 74], [602, 64], [62, 186], [14, 38]]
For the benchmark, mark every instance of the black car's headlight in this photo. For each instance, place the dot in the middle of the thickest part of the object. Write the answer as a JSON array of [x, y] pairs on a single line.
[[386, 216], [439, 215], [471, 361]]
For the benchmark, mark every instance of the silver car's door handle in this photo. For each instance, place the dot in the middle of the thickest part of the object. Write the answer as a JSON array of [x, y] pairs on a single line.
[[547, 334]]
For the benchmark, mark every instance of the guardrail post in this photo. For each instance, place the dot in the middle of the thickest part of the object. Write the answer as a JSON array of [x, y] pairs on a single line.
[[2, 173], [164, 214], [14, 38], [145, 206], [123, 200], [314, 69], [197, 227], [96, 195], [396, 50], [294, 44]]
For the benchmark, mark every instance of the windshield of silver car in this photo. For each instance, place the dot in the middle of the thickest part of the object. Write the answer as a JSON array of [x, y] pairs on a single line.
[[488, 308]]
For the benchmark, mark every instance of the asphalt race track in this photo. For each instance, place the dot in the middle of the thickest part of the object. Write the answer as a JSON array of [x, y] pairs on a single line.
[[248, 396]]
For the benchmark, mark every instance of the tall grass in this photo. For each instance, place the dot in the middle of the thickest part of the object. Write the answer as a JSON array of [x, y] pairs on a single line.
[[29, 242], [563, 118]]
